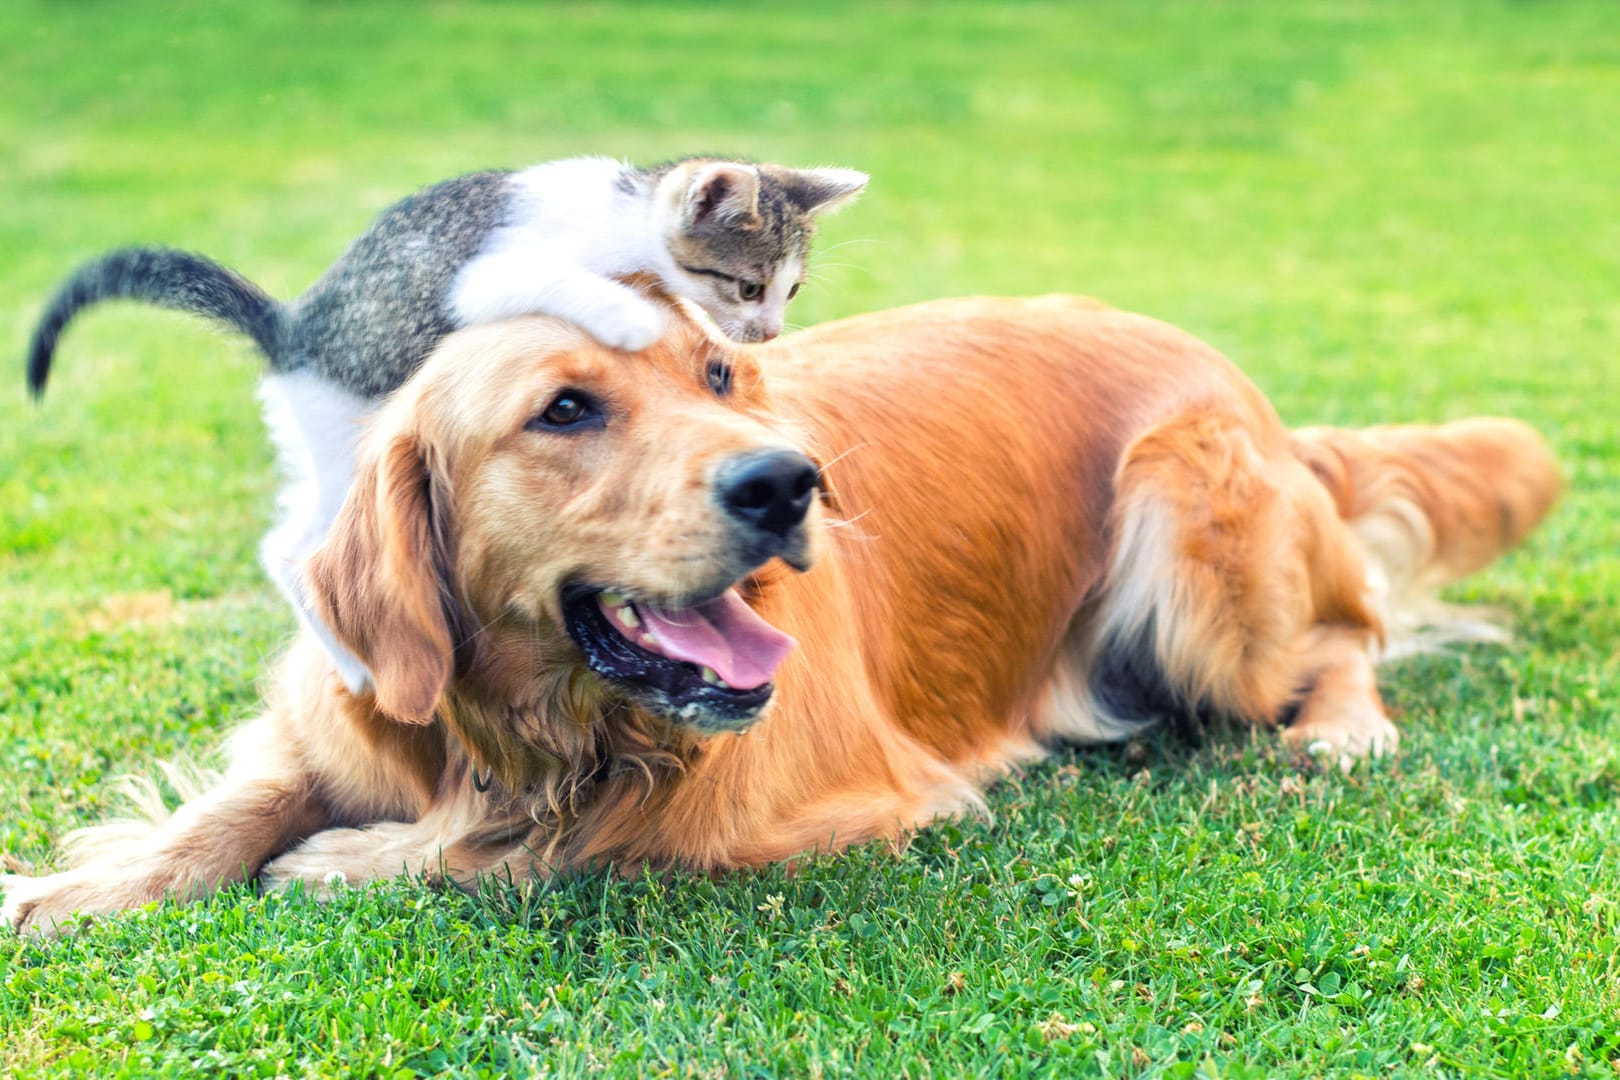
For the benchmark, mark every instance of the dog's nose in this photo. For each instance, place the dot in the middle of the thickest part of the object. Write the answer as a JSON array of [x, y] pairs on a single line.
[[770, 490]]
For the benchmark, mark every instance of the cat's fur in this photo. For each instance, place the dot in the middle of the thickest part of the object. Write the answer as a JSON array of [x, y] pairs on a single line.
[[549, 240]]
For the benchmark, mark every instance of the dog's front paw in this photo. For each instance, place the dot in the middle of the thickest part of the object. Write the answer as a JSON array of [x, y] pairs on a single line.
[[42, 906], [282, 875], [330, 860], [314, 878], [14, 906]]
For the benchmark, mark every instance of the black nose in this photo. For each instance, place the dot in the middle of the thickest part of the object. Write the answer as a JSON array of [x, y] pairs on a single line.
[[770, 491]]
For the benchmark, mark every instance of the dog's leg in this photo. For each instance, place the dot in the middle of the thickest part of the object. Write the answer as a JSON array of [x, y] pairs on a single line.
[[353, 857], [466, 835], [225, 834], [1341, 717], [1233, 590]]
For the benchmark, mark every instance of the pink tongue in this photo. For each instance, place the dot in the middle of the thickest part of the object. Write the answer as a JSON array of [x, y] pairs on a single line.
[[724, 634]]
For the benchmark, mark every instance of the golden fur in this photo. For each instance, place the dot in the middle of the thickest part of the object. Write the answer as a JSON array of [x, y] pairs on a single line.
[[1044, 521]]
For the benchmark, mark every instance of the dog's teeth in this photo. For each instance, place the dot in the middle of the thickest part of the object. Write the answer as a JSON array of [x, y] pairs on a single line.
[[613, 600], [627, 617], [649, 639], [711, 676]]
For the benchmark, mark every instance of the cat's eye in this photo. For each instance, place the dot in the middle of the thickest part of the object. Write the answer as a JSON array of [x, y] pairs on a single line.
[[569, 410], [720, 377], [750, 290], [794, 291]]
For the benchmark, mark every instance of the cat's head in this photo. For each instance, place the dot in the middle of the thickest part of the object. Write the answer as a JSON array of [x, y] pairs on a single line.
[[739, 235]]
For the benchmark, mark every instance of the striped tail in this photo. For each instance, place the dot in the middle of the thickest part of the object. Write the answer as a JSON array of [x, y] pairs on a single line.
[[178, 280]]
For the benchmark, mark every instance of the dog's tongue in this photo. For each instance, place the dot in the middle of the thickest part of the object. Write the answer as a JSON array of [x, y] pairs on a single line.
[[724, 634]]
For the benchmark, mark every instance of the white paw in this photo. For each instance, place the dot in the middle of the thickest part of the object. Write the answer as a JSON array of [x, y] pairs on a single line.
[[630, 327]]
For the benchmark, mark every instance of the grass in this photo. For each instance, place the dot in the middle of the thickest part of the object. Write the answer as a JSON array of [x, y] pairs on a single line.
[[1384, 212]]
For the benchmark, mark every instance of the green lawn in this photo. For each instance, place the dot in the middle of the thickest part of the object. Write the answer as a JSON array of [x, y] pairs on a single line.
[[1383, 211]]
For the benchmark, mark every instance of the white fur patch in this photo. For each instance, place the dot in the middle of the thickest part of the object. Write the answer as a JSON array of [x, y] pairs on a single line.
[[573, 228], [1140, 584], [315, 426], [506, 284]]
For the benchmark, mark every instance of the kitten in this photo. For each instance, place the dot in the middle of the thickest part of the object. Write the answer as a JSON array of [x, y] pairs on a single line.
[[730, 237]]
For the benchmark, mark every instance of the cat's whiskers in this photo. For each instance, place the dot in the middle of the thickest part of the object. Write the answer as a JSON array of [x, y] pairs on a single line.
[[847, 243]]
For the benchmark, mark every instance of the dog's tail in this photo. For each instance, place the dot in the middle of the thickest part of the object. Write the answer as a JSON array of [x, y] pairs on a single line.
[[1430, 505], [178, 280]]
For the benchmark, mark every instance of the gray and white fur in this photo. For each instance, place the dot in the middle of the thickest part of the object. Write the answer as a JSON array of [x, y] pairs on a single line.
[[730, 237]]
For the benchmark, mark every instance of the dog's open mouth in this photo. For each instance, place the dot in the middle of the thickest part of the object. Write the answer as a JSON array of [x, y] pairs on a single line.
[[708, 666]]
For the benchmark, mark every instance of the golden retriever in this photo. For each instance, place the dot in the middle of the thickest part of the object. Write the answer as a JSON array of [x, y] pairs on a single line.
[[713, 606]]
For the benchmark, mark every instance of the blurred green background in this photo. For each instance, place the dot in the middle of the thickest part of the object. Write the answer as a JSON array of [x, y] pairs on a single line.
[[1382, 211]]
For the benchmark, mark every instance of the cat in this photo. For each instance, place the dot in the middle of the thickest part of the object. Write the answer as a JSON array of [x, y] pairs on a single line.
[[731, 237]]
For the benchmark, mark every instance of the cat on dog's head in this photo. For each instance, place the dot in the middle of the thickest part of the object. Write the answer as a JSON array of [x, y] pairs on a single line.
[[739, 234]]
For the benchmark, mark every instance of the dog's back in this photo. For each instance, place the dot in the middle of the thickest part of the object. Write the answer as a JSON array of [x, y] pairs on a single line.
[[1053, 478]]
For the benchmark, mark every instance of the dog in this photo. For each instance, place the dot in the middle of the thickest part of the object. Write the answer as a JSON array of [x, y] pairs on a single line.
[[715, 606]]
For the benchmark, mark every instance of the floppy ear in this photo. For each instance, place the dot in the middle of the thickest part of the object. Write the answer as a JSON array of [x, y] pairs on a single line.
[[722, 194], [815, 191], [378, 581]]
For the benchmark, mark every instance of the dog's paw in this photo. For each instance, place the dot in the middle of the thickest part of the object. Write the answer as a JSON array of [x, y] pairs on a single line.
[[281, 876], [328, 862], [308, 876], [40, 906], [1346, 739], [13, 902]]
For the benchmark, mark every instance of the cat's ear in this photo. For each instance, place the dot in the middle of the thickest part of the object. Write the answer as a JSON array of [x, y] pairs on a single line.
[[815, 191], [722, 194]]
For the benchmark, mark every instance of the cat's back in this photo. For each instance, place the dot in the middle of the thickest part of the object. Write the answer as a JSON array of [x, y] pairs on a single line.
[[380, 309], [589, 210], [455, 214], [444, 223]]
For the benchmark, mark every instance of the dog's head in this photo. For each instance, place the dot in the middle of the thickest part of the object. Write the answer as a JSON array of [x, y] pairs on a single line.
[[599, 508]]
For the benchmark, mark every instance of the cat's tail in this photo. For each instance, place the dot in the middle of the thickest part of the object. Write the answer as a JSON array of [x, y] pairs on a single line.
[[178, 280]]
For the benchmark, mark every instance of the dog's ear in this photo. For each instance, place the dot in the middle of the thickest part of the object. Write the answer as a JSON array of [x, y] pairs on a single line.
[[379, 580]]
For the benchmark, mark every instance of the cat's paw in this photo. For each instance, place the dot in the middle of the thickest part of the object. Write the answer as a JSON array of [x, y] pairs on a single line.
[[628, 327]]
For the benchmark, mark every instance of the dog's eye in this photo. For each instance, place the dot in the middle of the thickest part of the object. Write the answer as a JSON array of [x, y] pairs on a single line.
[[720, 377], [794, 291], [750, 290], [569, 409]]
